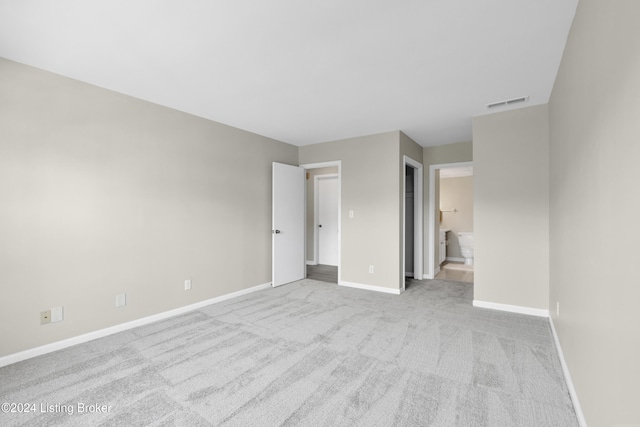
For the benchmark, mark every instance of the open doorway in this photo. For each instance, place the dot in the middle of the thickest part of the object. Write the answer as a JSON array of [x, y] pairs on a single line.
[[323, 221], [451, 222], [409, 220], [412, 221]]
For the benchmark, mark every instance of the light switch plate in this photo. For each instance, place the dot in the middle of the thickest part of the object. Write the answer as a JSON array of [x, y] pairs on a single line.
[[57, 314], [121, 300]]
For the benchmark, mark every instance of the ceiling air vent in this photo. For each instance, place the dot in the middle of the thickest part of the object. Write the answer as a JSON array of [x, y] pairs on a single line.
[[508, 102]]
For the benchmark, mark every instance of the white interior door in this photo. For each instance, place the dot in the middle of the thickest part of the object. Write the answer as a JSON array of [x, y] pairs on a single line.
[[287, 224], [328, 220]]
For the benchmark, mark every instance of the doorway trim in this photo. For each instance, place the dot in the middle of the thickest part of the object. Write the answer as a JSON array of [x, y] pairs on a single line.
[[316, 212], [337, 163], [433, 208], [418, 244]]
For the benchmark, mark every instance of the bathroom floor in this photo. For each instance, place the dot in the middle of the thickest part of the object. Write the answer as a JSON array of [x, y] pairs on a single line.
[[455, 271]]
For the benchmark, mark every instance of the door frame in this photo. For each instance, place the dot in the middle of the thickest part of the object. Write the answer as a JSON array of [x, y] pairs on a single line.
[[434, 206], [337, 163], [418, 180], [316, 212]]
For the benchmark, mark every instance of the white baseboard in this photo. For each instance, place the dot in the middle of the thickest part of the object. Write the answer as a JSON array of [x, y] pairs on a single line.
[[567, 377], [431, 276], [59, 345], [370, 287], [454, 259], [512, 308], [312, 263]]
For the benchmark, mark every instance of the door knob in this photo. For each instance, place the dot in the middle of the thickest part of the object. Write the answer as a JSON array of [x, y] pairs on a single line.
[[276, 231], [320, 225]]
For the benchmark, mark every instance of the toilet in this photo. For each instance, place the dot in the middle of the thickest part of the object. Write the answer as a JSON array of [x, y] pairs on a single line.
[[466, 247]]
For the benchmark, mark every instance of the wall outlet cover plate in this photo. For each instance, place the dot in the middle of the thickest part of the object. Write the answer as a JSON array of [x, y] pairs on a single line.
[[45, 317]]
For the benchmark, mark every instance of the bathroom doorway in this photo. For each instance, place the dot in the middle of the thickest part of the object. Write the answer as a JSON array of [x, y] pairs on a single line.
[[451, 222]]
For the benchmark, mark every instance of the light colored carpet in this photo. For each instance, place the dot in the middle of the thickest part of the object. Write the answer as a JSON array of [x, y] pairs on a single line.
[[309, 354]]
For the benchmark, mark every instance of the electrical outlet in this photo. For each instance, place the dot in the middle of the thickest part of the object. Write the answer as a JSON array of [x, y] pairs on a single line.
[[371, 269], [187, 284], [45, 317], [558, 308]]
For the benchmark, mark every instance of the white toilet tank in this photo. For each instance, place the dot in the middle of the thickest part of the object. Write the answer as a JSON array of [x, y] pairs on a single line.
[[465, 239]]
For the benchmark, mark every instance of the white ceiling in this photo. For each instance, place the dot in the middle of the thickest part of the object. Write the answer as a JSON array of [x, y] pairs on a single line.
[[303, 71]]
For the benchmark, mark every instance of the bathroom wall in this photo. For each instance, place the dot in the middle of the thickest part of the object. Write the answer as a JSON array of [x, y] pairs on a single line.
[[456, 193]]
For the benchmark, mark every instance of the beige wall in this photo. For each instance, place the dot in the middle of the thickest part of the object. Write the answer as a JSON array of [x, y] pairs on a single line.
[[595, 207], [449, 153], [456, 193], [102, 194], [369, 173], [311, 256], [409, 148], [511, 207], [441, 154]]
